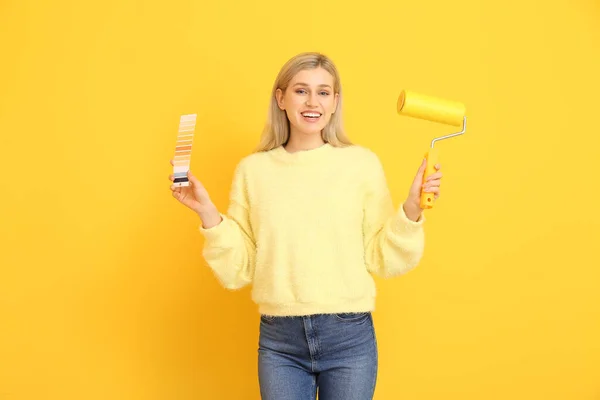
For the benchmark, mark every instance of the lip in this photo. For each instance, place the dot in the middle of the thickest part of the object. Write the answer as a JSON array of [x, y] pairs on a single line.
[[311, 120], [311, 111]]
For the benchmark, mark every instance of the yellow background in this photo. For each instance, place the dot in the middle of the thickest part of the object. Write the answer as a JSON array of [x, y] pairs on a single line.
[[103, 291]]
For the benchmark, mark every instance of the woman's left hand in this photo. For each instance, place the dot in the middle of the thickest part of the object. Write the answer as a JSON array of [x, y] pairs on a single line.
[[412, 205]]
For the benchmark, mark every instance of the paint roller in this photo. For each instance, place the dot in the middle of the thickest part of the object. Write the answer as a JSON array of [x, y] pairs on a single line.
[[433, 109]]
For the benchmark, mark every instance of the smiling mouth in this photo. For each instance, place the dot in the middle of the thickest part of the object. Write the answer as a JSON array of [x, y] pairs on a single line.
[[311, 115]]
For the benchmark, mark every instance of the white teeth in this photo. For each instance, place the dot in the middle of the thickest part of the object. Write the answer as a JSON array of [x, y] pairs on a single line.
[[315, 115]]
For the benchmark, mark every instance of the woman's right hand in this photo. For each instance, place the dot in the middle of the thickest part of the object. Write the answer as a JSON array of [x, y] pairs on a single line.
[[196, 198]]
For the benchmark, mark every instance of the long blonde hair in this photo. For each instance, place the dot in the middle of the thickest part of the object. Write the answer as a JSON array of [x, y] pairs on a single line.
[[277, 128]]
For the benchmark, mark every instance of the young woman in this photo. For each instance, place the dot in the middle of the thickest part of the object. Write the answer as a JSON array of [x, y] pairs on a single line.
[[310, 218]]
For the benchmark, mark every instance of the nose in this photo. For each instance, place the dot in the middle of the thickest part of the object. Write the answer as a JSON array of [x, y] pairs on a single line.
[[312, 100]]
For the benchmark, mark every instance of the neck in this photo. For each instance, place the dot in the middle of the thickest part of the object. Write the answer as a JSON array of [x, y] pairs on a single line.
[[299, 142]]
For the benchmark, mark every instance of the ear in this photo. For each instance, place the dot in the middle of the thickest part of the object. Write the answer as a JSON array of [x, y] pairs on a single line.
[[279, 96]]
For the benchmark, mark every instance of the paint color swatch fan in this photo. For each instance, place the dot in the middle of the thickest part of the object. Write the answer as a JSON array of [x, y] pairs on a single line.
[[183, 149], [434, 109]]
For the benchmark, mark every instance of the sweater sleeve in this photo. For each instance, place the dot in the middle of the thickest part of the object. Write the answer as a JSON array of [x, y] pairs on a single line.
[[394, 243], [230, 247]]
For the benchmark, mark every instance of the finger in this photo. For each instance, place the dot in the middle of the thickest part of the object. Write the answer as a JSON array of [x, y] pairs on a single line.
[[421, 171], [193, 180], [437, 166], [431, 189], [171, 161], [171, 177], [434, 176], [434, 183]]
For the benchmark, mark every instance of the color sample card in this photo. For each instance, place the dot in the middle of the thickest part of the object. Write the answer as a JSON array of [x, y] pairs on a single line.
[[183, 149]]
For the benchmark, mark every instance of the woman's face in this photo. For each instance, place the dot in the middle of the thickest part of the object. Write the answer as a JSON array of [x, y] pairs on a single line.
[[309, 101]]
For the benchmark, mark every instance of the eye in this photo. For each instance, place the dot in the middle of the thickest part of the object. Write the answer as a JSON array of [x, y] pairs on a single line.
[[300, 91], [325, 93]]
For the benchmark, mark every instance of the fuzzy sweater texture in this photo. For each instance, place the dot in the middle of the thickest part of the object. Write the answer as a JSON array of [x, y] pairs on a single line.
[[308, 229]]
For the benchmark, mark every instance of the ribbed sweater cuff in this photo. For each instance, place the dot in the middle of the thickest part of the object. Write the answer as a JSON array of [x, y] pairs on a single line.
[[214, 232], [404, 224]]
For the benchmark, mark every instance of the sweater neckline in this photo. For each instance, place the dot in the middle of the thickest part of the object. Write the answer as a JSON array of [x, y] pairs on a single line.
[[302, 155]]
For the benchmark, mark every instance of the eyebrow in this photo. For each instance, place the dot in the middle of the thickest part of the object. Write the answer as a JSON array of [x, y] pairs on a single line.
[[306, 84]]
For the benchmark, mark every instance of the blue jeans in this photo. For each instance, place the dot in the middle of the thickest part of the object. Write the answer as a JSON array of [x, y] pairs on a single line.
[[335, 354]]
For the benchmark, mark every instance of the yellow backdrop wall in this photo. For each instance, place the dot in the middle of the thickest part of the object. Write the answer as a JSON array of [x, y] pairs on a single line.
[[103, 290]]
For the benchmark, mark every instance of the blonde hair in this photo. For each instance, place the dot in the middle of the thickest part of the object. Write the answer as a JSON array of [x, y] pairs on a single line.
[[277, 128]]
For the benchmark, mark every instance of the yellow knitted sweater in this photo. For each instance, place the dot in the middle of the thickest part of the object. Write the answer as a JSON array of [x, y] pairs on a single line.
[[307, 229]]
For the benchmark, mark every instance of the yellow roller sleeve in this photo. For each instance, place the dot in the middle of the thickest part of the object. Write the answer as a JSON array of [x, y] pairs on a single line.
[[430, 108]]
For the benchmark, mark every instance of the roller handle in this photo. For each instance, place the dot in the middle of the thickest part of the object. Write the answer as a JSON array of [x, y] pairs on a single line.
[[431, 156]]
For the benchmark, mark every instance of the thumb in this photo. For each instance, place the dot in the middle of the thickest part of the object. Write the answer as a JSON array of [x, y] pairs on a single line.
[[195, 184], [421, 170], [193, 180]]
